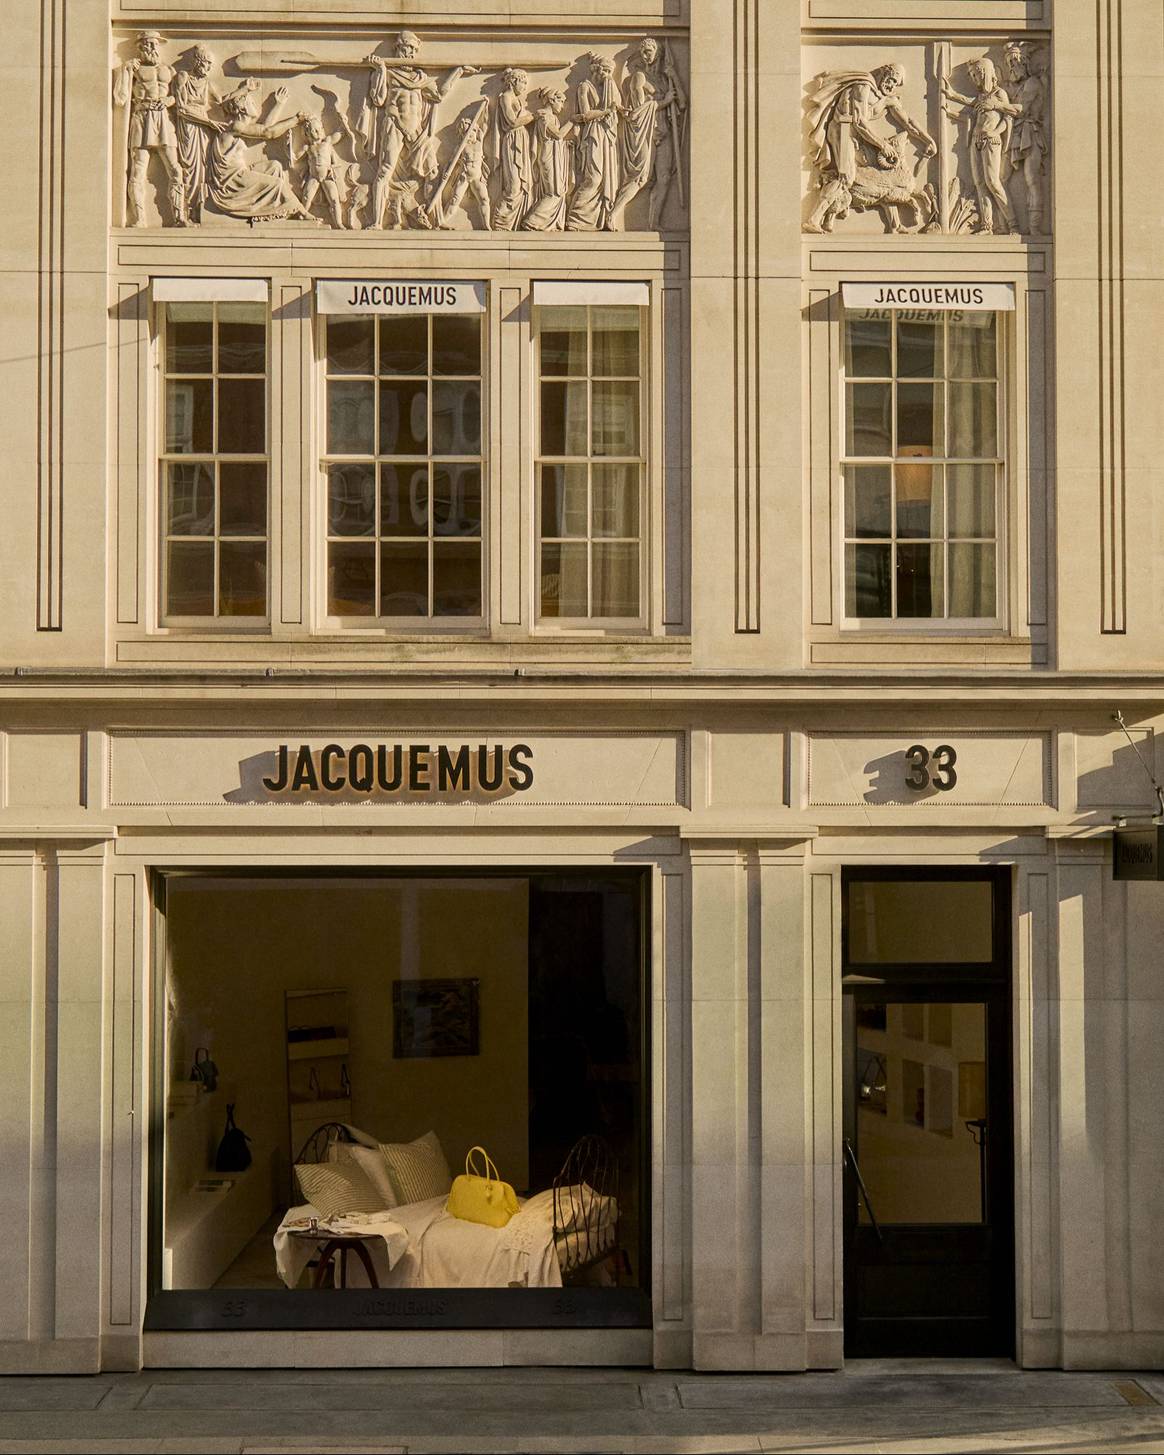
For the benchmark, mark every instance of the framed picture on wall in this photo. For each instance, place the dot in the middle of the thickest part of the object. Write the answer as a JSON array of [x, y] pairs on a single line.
[[434, 1018]]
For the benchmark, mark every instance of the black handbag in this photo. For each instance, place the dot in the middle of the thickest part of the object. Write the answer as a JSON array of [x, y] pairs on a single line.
[[233, 1153]]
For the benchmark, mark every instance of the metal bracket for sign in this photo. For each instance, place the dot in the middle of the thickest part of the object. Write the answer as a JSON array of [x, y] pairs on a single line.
[[1152, 779]]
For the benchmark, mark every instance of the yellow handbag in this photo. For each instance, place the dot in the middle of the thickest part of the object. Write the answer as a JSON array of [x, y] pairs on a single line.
[[482, 1199]]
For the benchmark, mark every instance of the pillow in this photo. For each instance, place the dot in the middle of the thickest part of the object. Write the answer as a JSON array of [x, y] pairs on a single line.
[[578, 1206], [370, 1162], [333, 1188], [418, 1170]]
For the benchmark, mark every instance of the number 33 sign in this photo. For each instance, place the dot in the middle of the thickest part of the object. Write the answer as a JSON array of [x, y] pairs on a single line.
[[928, 769]]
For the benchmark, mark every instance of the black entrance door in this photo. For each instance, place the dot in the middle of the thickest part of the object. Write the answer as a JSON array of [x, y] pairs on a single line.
[[928, 1168]]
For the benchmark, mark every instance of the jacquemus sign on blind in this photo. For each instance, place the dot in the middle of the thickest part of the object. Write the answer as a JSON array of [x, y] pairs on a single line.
[[393, 295]]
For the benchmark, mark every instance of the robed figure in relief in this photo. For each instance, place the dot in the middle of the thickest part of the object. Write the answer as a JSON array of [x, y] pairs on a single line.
[[257, 191], [511, 143], [193, 97], [843, 143], [592, 205], [653, 113], [553, 171]]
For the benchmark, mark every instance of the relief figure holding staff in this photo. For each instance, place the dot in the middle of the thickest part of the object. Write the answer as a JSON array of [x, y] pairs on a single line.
[[653, 112], [144, 86]]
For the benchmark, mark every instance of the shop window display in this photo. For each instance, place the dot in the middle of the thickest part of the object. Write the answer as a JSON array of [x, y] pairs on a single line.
[[214, 461], [393, 1025], [922, 464], [404, 466]]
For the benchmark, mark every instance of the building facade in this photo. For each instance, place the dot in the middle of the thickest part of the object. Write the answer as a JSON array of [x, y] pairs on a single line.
[[581, 577]]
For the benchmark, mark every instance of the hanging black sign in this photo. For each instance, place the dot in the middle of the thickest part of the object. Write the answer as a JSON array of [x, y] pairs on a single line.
[[1138, 853]]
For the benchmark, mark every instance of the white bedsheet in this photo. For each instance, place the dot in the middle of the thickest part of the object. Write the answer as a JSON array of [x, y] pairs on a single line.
[[420, 1245]]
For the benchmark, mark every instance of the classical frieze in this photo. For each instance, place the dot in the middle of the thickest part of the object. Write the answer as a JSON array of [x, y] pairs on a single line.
[[397, 140], [935, 137]]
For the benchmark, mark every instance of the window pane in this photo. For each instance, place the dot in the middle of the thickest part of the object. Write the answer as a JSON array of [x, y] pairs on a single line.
[[867, 350], [404, 500], [404, 580], [404, 344], [563, 588], [350, 345], [919, 500], [189, 416], [403, 417], [919, 417], [456, 343], [615, 500], [615, 427], [616, 578], [456, 578], [456, 417], [868, 500], [242, 586], [351, 579], [868, 422], [563, 341], [351, 418], [615, 342], [920, 921], [972, 589], [970, 499], [242, 338], [456, 500], [973, 419], [563, 500], [190, 499], [242, 416], [188, 338], [919, 350], [973, 347], [190, 578], [867, 588], [564, 419], [351, 499], [242, 498], [919, 581]]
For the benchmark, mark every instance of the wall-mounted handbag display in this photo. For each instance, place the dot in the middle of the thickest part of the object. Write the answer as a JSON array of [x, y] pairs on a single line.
[[233, 1153], [204, 1071], [482, 1198]]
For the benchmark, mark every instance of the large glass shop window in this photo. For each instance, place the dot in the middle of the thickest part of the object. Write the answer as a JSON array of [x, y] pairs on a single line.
[[214, 461], [590, 464], [391, 1025], [923, 465], [404, 466]]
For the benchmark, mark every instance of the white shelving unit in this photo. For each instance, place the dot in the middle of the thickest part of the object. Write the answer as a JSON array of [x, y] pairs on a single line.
[[318, 1065]]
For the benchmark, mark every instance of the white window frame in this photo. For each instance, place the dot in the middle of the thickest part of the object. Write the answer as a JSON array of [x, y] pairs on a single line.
[[327, 623], [554, 294], [928, 625], [210, 291]]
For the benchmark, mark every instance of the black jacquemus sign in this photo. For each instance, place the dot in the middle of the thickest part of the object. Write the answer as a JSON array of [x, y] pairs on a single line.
[[403, 769]]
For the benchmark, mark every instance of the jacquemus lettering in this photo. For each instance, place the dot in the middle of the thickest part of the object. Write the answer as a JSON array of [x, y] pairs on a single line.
[[921, 295], [397, 769], [403, 295]]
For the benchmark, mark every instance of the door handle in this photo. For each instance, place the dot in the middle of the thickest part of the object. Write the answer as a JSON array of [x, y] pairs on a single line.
[[851, 1159]]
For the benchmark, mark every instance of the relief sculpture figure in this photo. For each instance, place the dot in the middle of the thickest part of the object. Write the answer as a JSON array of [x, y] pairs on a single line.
[[399, 127], [591, 208], [257, 191], [991, 112], [512, 121], [144, 86], [653, 116], [855, 165], [1028, 132], [469, 171], [553, 172], [193, 97], [326, 171]]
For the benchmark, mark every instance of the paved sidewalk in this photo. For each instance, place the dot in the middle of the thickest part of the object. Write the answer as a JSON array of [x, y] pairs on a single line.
[[875, 1405]]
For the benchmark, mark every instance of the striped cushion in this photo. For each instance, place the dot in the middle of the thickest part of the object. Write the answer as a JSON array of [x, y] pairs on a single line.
[[334, 1190], [418, 1169], [370, 1162]]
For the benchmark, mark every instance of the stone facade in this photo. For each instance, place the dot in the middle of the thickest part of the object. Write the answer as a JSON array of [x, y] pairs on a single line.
[[733, 163]]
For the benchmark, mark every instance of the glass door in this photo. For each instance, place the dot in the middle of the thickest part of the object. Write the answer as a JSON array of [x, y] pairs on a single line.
[[928, 1174]]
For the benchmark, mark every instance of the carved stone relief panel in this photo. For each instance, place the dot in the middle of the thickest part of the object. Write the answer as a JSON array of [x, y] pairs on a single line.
[[402, 132], [948, 136]]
